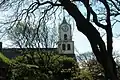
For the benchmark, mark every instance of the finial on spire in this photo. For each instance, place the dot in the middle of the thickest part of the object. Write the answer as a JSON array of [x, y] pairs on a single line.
[[64, 20]]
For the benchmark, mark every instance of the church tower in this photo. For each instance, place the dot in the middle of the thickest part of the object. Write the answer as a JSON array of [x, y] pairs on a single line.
[[65, 43]]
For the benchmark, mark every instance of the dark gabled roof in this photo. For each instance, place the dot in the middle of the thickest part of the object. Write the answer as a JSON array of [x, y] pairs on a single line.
[[13, 52]]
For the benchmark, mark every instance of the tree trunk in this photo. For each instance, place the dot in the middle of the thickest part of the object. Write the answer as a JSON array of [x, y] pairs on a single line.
[[97, 44]]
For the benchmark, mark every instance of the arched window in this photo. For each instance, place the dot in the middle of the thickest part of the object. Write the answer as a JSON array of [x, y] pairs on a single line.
[[63, 46], [68, 47], [65, 36]]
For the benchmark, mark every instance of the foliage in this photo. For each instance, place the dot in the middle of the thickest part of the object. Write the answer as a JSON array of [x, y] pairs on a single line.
[[85, 74], [43, 67], [4, 59], [38, 11], [92, 69]]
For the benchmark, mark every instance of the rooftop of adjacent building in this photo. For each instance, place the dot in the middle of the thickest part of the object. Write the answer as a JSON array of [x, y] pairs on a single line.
[[14, 52]]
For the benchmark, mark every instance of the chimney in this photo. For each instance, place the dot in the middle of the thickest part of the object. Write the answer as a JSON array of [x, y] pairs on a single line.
[[0, 46]]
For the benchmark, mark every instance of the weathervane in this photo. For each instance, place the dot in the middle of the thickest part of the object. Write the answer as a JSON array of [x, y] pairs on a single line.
[[63, 13]]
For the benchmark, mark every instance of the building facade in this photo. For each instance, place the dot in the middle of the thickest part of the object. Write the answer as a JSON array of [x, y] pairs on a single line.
[[65, 47], [65, 43]]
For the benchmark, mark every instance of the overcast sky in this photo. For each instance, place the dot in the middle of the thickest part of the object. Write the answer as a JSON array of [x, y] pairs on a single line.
[[80, 41], [82, 44]]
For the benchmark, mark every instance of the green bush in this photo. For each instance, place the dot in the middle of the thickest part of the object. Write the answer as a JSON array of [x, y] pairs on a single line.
[[4, 59], [43, 66]]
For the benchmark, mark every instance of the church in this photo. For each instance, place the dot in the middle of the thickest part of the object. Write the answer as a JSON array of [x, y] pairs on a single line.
[[65, 45]]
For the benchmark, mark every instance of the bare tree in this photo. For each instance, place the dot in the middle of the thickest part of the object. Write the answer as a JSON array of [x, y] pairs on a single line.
[[24, 35], [40, 10]]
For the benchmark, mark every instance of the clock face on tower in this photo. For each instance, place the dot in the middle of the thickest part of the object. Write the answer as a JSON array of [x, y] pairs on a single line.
[[65, 28]]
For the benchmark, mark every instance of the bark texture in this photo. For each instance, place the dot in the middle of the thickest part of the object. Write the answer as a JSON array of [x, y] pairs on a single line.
[[97, 44]]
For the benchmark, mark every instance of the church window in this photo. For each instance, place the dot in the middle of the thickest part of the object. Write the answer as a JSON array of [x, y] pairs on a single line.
[[63, 46], [65, 36], [68, 47]]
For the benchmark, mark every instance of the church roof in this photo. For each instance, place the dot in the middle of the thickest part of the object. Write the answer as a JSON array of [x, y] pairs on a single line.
[[13, 52], [64, 21]]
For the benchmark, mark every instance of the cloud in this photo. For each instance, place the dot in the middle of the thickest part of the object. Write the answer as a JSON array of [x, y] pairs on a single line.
[[116, 44]]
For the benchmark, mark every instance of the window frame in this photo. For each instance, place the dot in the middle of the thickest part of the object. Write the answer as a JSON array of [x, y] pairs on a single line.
[[63, 47], [68, 47]]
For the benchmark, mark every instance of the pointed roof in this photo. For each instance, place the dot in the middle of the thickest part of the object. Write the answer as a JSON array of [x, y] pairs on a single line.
[[64, 21]]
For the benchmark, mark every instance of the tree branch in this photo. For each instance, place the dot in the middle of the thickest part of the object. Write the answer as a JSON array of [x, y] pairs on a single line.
[[95, 19], [48, 2], [115, 5]]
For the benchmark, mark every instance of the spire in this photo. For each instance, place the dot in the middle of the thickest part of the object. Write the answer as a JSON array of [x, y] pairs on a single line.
[[64, 21]]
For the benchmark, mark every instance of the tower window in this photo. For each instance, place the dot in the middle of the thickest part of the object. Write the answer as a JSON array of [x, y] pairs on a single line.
[[68, 47], [65, 36], [63, 46]]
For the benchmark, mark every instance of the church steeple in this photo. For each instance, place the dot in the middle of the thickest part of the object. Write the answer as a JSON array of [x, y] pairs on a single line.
[[65, 31], [64, 21], [65, 43]]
